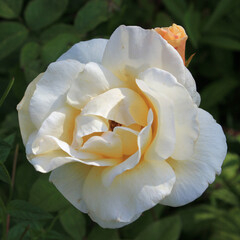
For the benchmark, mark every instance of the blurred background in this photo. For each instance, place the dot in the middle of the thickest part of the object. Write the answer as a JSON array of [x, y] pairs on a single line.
[[35, 33]]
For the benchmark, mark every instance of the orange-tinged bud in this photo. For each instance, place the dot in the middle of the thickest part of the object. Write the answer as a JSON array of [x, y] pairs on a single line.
[[176, 36]]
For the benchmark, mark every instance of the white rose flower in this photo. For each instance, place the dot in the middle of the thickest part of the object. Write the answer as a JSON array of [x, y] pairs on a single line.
[[118, 124]]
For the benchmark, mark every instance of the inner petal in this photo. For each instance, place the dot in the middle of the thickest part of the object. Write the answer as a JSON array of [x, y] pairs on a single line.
[[87, 125], [129, 139], [121, 105], [108, 144]]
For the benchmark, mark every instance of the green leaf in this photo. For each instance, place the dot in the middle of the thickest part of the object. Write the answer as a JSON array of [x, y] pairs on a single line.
[[57, 46], [23, 210], [57, 30], [103, 234], [12, 35], [10, 8], [73, 223], [176, 8], [41, 13], [6, 146], [44, 195], [163, 20], [7, 90], [167, 228], [29, 60], [192, 25], [4, 175], [222, 42], [226, 196], [25, 177], [29, 52], [223, 7], [230, 166], [17, 231], [91, 15], [217, 91]]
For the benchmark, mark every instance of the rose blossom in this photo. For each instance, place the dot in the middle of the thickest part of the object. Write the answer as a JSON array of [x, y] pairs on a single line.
[[118, 124]]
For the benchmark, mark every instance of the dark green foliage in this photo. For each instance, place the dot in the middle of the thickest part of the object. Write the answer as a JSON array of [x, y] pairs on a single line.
[[33, 33]]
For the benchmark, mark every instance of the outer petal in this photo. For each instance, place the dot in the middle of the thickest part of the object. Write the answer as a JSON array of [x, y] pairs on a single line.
[[160, 83], [92, 81], [69, 180], [190, 85], [86, 51], [131, 50], [25, 122], [193, 175], [119, 105], [51, 89], [130, 194]]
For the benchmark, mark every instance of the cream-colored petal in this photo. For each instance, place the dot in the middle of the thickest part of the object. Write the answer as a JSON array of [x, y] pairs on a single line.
[[195, 174], [190, 85], [121, 105], [143, 140], [128, 138], [131, 50], [55, 159], [69, 180], [130, 193], [184, 110], [108, 144], [45, 144], [60, 124], [164, 140], [92, 81], [51, 89], [86, 51], [25, 122], [86, 125]]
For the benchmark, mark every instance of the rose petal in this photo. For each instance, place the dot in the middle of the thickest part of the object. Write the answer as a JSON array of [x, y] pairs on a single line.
[[86, 125], [51, 89], [143, 140], [86, 51], [25, 122], [129, 195], [108, 144], [59, 124], [121, 105], [190, 85], [185, 112], [69, 180], [50, 161], [131, 50], [128, 138], [92, 81], [195, 174], [164, 140]]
